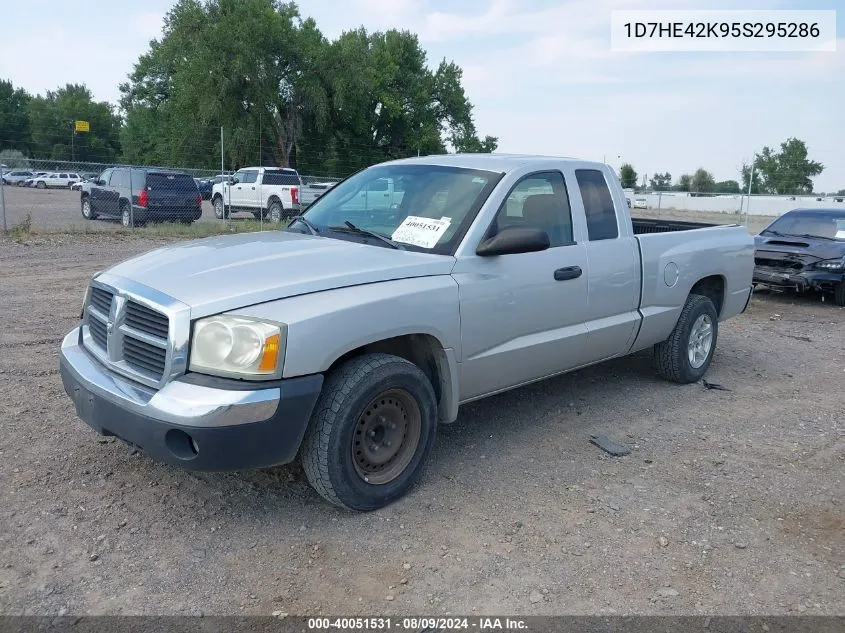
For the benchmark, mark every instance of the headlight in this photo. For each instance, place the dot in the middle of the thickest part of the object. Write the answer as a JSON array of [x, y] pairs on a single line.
[[237, 347], [832, 264]]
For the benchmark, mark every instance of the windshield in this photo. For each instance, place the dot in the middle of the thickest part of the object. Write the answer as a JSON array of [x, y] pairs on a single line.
[[823, 224], [426, 208]]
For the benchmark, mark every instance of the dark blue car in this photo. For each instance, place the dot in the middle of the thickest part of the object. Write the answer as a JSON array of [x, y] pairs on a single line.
[[804, 249]]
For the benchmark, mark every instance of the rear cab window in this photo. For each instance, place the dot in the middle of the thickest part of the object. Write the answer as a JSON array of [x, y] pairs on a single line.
[[602, 222], [280, 177]]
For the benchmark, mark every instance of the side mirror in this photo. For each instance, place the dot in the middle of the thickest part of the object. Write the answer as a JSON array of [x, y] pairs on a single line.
[[235, 181], [512, 240]]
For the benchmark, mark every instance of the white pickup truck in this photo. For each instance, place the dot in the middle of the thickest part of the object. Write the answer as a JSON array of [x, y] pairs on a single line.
[[269, 192], [410, 288]]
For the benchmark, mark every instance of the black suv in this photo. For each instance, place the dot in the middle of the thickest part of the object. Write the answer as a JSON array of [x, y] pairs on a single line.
[[137, 196]]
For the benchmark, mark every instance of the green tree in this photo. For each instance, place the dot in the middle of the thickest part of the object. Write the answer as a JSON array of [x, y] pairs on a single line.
[[702, 181], [727, 186], [52, 126], [788, 171], [661, 182], [14, 117], [286, 95], [628, 176], [684, 183]]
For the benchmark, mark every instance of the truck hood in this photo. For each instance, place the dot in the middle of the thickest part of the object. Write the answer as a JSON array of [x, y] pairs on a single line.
[[818, 248], [218, 274]]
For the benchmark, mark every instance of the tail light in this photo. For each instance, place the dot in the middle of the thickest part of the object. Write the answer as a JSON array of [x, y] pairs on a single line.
[[199, 199], [294, 195], [143, 198]]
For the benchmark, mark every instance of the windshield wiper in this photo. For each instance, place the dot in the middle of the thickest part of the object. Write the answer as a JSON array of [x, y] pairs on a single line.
[[313, 229], [351, 228], [815, 237]]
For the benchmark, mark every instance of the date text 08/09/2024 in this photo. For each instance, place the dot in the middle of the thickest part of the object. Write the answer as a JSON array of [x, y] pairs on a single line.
[[416, 624]]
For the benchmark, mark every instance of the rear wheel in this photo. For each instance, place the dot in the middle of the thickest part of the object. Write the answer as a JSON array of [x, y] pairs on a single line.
[[276, 211], [41, 184], [685, 356], [87, 212], [371, 433], [126, 218]]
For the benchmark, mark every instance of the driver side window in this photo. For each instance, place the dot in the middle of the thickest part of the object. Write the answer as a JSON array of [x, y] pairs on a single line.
[[538, 201]]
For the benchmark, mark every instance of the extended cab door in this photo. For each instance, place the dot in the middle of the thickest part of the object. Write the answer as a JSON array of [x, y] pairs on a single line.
[[613, 267], [522, 314]]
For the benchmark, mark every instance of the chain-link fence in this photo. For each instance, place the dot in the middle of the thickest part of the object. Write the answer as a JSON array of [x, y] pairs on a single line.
[[59, 195]]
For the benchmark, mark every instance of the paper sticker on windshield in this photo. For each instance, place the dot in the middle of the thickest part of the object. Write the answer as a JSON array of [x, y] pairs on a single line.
[[840, 230], [423, 232]]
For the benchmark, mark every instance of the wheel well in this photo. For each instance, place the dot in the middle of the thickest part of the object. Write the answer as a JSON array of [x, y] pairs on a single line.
[[713, 288], [273, 199], [425, 351]]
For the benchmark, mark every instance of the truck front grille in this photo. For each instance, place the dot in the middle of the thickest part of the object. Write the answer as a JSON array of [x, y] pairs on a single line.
[[144, 357], [101, 299], [140, 317], [128, 335]]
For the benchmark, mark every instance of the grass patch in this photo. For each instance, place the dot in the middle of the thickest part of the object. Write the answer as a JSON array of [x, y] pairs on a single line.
[[21, 231], [174, 230]]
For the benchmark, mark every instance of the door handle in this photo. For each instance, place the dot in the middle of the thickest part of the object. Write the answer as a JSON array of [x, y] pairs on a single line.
[[570, 272], [253, 188]]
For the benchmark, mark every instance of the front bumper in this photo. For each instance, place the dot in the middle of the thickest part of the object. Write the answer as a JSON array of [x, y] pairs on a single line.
[[800, 281], [196, 422]]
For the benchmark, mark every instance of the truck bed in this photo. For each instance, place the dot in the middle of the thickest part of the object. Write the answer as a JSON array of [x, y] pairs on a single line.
[[653, 225]]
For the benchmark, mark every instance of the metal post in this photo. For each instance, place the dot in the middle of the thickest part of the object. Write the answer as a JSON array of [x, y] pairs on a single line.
[[72, 137], [3, 197], [131, 202], [750, 182]]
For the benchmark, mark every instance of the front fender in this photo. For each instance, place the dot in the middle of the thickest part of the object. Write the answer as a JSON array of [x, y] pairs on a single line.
[[323, 326]]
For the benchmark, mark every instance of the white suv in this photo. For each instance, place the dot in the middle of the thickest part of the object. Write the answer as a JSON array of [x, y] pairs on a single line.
[[63, 180]]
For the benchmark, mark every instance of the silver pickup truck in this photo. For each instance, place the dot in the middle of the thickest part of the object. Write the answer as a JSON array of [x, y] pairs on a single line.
[[347, 337]]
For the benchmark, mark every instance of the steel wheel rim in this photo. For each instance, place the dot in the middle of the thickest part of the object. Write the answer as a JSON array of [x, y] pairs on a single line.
[[386, 436], [700, 341]]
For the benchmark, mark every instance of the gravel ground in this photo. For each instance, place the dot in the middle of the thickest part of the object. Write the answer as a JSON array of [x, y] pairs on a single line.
[[58, 209], [730, 503]]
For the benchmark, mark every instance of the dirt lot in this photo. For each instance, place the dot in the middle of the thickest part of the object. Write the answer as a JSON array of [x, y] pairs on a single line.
[[730, 503], [56, 210]]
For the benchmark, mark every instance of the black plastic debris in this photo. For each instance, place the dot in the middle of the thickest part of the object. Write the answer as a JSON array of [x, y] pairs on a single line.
[[609, 446], [713, 385]]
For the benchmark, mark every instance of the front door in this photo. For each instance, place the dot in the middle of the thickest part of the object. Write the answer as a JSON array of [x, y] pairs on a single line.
[[98, 196], [522, 315]]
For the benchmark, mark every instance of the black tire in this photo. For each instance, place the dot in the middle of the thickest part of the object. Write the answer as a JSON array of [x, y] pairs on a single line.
[[276, 212], [41, 185], [220, 210], [88, 214], [126, 218], [839, 294], [331, 449], [672, 356]]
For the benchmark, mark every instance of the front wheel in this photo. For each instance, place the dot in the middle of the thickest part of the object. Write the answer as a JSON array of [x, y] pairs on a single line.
[[371, 433], [685, 356], [87, 211], [219, 208], [839, 294], [41, 184]]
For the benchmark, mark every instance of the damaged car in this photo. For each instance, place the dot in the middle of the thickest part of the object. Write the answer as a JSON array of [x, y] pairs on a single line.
[[803, 250]]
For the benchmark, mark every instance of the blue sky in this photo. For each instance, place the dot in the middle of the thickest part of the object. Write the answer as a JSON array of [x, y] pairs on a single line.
[[540, 73]]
